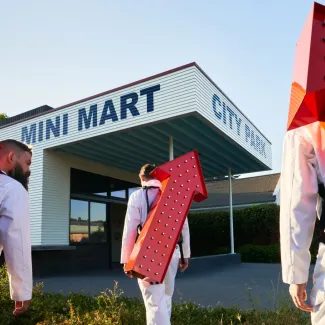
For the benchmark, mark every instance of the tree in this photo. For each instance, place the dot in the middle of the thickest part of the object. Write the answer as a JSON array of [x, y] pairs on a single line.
[[3, 116]]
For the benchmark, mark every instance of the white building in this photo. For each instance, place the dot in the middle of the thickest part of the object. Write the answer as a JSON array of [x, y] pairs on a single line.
[[87, 156]]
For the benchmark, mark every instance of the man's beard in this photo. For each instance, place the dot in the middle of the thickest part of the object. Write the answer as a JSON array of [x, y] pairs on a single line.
[[18, 174]]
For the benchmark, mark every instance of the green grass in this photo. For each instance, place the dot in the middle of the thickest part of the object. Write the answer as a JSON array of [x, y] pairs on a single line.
[[111, 307]]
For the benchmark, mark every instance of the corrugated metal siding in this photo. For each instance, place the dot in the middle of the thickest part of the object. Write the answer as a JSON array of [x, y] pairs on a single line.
[[56, 200], [175, 97], [36, 198], [49, 218], [205, 92]]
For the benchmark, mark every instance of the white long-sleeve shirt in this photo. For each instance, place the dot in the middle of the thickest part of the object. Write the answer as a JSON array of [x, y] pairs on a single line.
[[137, 213], [303, 168], [15, 237]]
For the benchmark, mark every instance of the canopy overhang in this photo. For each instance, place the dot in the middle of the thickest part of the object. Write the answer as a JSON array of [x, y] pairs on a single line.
[[131, 148]]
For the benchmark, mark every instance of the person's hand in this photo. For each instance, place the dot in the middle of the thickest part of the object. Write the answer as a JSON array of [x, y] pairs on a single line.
[[299, 296], [128, 274], [21, 307], [184, 266]]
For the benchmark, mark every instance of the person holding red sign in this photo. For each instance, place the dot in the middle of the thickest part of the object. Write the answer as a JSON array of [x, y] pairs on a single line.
[[157, 297], [302, 183]]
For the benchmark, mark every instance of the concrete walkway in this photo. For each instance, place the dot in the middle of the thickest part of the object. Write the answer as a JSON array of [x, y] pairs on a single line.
[[228, 286]]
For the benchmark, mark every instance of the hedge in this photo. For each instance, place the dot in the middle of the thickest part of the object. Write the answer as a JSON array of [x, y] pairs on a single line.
[[256, 233], [113, 308]]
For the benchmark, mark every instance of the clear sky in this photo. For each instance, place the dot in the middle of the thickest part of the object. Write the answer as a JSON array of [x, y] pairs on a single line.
[[56, 52]]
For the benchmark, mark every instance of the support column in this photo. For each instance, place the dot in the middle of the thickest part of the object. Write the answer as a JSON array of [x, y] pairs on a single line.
[[231, 214], [171, 148]]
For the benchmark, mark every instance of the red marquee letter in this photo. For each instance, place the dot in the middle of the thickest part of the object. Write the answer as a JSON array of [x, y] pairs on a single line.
[[182, 181]]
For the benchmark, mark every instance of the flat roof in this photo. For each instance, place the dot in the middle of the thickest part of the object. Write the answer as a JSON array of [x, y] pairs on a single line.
[[250, 190]]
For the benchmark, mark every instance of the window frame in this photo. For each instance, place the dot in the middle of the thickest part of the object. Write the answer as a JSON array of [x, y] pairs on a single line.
[[98, 198], [95, 199]]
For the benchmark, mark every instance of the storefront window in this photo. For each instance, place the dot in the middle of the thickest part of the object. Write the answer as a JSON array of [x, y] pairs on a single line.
[[119, 194], [91, 195], [88, 222], [86, 183], [79, 229], [98, 222]]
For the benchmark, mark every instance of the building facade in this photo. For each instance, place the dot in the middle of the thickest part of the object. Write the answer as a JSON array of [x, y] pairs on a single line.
[[87, 155]]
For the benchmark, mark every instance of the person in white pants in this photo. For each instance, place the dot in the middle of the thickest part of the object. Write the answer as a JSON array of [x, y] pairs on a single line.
[[157, 297], [302, 172]]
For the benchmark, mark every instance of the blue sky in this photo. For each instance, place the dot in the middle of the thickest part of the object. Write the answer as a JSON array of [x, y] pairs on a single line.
[[56, 52]]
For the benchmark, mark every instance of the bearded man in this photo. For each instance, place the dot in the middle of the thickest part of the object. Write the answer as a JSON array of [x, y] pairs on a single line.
[[15, 161]]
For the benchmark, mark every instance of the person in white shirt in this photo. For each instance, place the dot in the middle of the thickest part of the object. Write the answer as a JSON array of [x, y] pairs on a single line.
[[302, 174], [157, 297], [15, 161]]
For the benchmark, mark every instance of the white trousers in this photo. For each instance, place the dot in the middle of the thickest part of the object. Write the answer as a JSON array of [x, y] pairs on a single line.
[[317, 296], [158, 297]]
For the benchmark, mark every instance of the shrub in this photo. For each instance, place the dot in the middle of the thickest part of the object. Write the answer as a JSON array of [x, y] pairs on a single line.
[[113, 309], [257, 225], [256, 233], [255, 253], [260, 254]]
